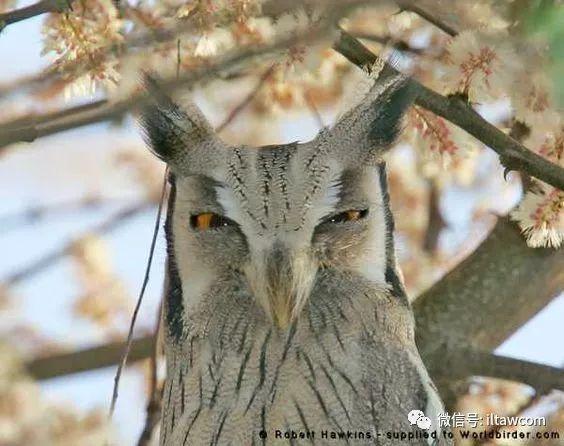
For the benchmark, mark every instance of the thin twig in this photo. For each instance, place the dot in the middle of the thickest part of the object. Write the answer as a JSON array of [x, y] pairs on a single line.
[[32, 214], [153, 411], [436, 222], [27, 12], [18, 131], [513, 155], [139, 299], [248, 99], [314, 111], [47, 260], [410, 5], [144, 40], [399, 45]]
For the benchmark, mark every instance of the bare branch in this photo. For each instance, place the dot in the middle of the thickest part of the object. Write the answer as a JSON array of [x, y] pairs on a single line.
[[153, 411], [89, 359], [32, 214], [497, 276], [410, 5], [74, 117], [399, 45], [42, 7], [107, 226], [464, 363], [436, 221], [235, 112], [512, 154], [146, 276], [502, 284]]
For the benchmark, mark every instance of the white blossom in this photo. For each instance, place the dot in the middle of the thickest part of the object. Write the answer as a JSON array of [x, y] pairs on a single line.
[[479, 66], [541, 217]]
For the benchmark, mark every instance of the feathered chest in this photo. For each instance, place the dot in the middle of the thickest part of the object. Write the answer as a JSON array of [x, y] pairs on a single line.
[[235, 375]]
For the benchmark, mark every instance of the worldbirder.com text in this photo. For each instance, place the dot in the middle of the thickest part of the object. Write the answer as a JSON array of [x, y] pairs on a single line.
[[505, 435]]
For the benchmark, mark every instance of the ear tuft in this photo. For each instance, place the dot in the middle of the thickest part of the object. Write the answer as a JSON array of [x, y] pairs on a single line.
[[179, 135], [372, 125], [162, 121], [390, 108]]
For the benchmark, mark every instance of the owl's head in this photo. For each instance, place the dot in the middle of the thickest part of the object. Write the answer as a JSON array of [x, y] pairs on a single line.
[[272, 220]]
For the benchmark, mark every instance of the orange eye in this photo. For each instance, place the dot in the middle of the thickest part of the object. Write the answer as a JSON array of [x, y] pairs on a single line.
[[353, 215], [208, 220], [350, 215]]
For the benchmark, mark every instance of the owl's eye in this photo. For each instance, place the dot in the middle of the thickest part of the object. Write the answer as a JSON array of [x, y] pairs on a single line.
[[209, 220], [350, 215]]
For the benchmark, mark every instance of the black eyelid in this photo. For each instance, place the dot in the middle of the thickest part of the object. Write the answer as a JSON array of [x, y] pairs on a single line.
[[220, 221], [341, 217]]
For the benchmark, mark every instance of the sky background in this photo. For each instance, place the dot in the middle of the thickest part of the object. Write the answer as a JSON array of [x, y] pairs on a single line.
[[73, 164]]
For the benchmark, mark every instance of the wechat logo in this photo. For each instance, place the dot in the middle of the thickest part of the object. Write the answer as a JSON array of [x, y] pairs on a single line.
[[419, 418]]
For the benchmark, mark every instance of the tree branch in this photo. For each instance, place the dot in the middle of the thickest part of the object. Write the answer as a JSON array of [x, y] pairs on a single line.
[[436, 222], [103, 110], [410, 5], [399, 45], [501, 285], [45, 261], [248, 99], [42, 7], [463, 363], [513, 155], [89, 359], [494, 285]]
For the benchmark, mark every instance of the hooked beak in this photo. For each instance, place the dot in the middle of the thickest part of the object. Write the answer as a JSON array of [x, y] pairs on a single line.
[[281, 280]]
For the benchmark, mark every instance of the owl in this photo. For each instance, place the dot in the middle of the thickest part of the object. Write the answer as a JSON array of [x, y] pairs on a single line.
[[285, 318]]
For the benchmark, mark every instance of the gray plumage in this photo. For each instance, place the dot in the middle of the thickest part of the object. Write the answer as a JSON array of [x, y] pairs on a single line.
[[288, 314]]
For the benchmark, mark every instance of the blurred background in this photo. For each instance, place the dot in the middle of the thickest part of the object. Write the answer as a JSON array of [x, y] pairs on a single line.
[[78, 207]]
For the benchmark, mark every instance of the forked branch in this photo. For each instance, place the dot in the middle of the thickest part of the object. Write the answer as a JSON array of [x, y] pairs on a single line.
[[513, 155]]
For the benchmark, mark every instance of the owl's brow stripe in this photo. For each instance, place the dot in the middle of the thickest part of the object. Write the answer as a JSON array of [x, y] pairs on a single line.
[[267, 177], [283, 178]]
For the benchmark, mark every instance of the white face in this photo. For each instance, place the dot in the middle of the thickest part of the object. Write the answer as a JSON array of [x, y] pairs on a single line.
[[271, 219], [270, 223]]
